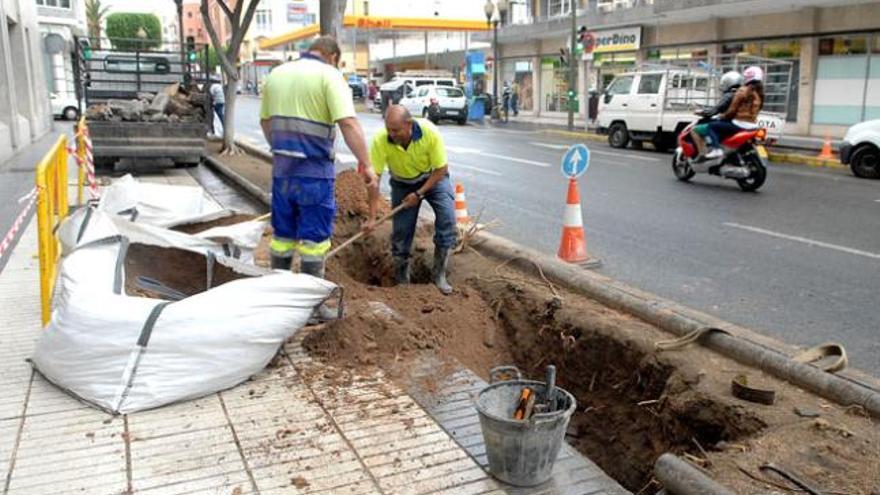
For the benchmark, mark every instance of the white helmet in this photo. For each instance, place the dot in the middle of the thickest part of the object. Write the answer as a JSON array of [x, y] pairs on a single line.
[[753, 73], [730, 79]]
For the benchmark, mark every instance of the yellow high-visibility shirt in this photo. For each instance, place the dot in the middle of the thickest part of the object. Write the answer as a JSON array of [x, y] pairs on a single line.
[[424, 154], [308, 89]]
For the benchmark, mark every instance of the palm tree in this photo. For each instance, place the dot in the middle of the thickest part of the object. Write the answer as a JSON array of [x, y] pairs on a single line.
[[95, 13]]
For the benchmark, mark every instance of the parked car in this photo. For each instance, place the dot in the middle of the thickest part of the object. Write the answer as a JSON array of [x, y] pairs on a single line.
[[64, 106], [436, 103], [861, 149]]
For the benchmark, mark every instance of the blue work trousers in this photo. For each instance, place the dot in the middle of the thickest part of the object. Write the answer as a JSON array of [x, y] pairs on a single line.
[[442, 201]]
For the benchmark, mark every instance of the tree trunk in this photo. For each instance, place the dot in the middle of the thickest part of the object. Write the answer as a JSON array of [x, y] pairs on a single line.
[[229, 146]]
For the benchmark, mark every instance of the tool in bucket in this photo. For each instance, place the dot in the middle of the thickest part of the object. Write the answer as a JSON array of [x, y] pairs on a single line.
[[523, 424]]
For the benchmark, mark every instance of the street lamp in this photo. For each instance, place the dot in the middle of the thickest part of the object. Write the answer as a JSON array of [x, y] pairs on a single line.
[[495, 11]]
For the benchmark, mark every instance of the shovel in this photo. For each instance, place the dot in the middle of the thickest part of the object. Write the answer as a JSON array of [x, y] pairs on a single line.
[[362, 233]]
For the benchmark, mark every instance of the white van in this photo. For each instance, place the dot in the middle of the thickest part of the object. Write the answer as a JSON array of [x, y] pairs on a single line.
[[655, 105]]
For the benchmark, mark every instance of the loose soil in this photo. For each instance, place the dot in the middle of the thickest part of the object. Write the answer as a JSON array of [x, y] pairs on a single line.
[[634, 402], [178, 269]]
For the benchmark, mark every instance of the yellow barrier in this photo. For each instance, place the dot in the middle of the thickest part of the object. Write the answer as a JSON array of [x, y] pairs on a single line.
[[52, 208]]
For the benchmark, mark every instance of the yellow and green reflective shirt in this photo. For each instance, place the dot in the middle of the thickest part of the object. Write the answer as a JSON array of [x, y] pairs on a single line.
[[304, 100], [424, 154]]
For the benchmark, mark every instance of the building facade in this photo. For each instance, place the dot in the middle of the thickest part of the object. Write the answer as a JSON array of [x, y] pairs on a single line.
[[831, 49], [60, 21], [24, 97]]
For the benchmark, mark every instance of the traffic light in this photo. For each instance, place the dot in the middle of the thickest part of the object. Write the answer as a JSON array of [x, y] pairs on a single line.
[[190, 49], [581, 39], [563, 56]]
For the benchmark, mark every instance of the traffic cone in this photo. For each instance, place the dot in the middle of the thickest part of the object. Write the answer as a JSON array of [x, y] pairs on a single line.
[[461, 213], [826, 153], [573, 247]]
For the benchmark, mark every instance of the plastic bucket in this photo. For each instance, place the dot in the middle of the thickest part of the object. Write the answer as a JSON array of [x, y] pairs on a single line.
[[522, 453]]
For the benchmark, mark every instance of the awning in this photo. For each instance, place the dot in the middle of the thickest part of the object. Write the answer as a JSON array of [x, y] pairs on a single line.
[[379, 23]]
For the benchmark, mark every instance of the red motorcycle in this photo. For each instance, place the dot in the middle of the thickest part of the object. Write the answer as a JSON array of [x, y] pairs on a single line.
[[744, 159]]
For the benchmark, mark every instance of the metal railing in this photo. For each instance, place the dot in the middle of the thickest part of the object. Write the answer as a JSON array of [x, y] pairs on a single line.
[[52, 208]]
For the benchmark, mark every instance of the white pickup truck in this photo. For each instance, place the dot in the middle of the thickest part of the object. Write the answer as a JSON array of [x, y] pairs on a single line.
[[655, 105]]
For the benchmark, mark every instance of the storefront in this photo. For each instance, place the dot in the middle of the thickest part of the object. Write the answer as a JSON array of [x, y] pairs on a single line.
[[610, 52], [520, 74], [847, 89]]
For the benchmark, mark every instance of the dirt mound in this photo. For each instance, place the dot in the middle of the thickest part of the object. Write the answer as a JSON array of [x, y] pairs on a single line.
[[634, 402]]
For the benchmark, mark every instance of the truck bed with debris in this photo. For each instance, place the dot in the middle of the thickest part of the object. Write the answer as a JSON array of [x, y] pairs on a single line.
[[144, 104]]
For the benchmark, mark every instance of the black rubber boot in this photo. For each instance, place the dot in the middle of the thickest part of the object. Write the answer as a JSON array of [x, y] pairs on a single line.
[[281, 262], [441, 263], [322, 313], [401, 271]]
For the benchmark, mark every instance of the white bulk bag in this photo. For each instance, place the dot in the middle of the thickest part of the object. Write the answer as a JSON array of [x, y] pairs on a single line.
[[156, 204], [103, 346]]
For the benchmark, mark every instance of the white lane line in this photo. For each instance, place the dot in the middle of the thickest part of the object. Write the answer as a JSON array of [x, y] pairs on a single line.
[[626, 155], [477, 169], [598, 152], [877, 200], [475, 151], [804, 240], [551, 146]]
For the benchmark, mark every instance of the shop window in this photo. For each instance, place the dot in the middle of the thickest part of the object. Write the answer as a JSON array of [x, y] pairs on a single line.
[[519, 73], [843, 45], [649, 84], [875, 43], [790, 49]]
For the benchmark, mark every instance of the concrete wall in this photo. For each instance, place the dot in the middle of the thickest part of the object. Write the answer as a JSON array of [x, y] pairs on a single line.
[[24, 98]]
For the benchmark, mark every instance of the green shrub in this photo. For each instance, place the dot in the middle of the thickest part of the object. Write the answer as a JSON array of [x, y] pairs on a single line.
[[123, 28]]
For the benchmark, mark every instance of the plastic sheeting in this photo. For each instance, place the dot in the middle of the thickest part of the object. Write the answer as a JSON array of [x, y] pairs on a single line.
[[156, 204], [125, 353]]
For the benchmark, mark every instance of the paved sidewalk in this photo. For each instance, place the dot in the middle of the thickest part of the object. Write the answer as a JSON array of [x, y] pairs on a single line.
[[297, 427]]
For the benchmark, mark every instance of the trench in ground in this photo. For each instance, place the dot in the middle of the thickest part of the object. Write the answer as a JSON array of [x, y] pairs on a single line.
[[632, 405]]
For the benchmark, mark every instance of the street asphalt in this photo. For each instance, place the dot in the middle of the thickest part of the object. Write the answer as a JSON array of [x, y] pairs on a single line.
[[799, 260]]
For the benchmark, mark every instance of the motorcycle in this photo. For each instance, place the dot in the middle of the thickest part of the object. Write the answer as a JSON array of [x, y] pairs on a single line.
[[744, 159]]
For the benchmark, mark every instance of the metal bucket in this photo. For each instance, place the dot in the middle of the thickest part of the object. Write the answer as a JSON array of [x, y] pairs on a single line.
[[522, 453]]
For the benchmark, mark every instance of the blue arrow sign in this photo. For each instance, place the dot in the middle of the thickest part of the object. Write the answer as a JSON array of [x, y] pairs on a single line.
[[576, 161]]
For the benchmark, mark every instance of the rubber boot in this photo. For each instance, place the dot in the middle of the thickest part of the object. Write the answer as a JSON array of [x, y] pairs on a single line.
[[280, 262], [441, 263], [322, 313], [401, 271]]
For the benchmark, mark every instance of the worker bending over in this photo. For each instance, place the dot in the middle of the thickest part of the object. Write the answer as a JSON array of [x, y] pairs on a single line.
[[413, 152]]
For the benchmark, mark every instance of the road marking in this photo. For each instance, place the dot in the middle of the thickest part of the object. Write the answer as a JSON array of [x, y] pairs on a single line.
[[551, 146], [477, 169], [804, 240], [625, 154], [877, 200], [475, 151]]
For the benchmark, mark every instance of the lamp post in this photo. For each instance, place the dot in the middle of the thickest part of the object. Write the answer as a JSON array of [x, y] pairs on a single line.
[[495, 11]]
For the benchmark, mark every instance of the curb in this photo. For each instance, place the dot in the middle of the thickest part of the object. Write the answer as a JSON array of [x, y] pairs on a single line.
[[810, 161], [590, 136], [739, 343], [735, 342]]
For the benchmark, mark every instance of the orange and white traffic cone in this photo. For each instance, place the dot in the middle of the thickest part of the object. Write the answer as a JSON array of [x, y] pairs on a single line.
[[826, 153], [461, 213], [573, 246]]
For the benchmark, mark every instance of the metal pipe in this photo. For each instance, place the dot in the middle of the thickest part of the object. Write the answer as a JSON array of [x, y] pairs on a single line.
[[680, 478]]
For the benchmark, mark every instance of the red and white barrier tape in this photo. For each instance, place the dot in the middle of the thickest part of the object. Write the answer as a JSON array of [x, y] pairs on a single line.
[[31, 198], [90, 165]]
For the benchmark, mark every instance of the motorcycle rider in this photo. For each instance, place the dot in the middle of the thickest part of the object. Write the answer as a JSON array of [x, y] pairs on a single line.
[[700, 134], [742, 112]]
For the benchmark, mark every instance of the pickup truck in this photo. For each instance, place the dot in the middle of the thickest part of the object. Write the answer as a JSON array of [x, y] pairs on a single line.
[[118, 87], [655, 105]]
